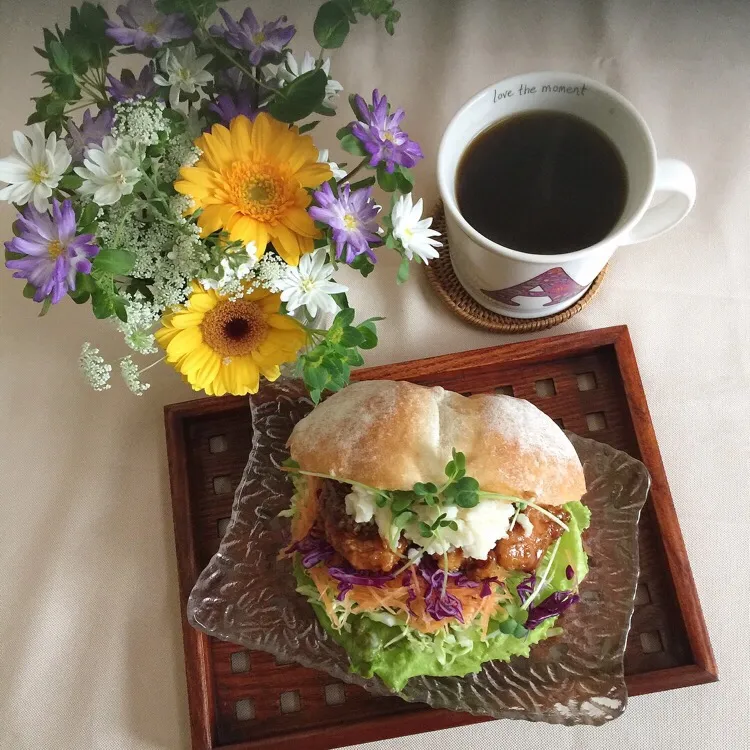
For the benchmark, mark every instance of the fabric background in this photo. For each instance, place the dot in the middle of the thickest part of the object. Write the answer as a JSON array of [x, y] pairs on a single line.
[[90, 642]]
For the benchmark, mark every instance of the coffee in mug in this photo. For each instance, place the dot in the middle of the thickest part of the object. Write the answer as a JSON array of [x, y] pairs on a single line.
[[542, 182], [543, 176]]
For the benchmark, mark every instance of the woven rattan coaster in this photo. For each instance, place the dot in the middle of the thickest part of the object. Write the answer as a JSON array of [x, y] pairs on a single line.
[[444, 281]]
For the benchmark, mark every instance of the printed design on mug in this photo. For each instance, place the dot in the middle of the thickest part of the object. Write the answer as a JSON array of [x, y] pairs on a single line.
[[555, 284]]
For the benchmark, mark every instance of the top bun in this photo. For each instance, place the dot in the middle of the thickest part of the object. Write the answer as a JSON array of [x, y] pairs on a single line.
[[392, 434]]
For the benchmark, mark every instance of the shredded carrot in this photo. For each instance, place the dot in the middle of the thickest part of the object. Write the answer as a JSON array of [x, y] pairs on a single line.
[[393, 597], [306, 510]]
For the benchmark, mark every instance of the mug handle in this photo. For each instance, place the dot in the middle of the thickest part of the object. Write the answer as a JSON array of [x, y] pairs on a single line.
[[675, 178]]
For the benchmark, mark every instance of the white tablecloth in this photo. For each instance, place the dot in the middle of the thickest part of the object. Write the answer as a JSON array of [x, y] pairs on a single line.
[[90, 642]]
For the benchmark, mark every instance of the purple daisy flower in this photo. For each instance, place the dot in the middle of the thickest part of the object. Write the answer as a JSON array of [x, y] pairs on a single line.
[[228, 106], [54, 254], [380, 134], [351, 216], [145, 27], [129, 87], [90, 133], [263, 42]]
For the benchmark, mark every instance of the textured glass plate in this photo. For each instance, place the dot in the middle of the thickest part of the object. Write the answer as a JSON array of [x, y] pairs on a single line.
[[247, 596]]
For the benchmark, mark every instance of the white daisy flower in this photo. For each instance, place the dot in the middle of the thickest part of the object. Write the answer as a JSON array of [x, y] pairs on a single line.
[[183, 72], [35, 169], [309, 284], [291, 69], [338, 173], [412, 231], [108, 173]]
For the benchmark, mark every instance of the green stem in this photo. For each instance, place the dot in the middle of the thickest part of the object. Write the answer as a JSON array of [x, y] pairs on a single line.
[[355, 170], [153, 364], [247, 71]]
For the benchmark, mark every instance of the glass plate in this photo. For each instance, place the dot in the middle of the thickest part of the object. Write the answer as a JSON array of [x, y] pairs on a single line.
[[247, 596]]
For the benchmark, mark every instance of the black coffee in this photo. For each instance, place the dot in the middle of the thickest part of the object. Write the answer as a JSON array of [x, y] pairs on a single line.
[[542, 182]]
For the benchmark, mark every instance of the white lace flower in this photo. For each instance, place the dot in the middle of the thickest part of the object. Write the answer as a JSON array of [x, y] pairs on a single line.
[[412, 231], [309, 284], [291, 69], [338, 173], [132, 376], [94, 368], [35, 169], [108, 173], [183, 72]]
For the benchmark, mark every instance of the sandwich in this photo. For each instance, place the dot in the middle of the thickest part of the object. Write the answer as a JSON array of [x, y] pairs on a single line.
[[432, 532]]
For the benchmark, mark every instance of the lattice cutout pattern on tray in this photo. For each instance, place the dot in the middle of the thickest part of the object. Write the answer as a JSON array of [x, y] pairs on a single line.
[[220, 445]]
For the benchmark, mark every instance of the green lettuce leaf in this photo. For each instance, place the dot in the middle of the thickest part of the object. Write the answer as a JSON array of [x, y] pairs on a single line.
[[396, 653]]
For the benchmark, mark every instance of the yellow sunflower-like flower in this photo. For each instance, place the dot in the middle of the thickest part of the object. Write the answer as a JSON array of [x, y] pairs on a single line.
[[251, 180], [222, 346]]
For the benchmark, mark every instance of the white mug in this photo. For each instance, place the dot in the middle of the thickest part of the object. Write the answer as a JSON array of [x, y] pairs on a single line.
[[661, 192]]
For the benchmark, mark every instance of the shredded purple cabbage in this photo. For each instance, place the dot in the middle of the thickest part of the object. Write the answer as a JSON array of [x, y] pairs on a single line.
[[439, 602], [408, 581], [314, 549], [486, 588], [525, 588], [554, 605], [349, 577]]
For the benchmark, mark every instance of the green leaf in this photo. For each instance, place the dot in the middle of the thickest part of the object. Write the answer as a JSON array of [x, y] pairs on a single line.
[[45, 307], [450, 492], [102, 304], [353, 145], [425, 530], [119, 307], [381, 501], [322, 109], [400, 520], [363, 264], [363, 183], [460, 459], [115, 261], [404, 179], [401, 501], [331, 26], [315, 378], [343, 132], [351, 337], [36, 117], [468, 484], [66, 87], [420, 488], [341, 300], [354, 358], [308, 126], [299, 98], [79, 296], [346, 6], [466, 499], [60, 57], [403, 271], [343, 318], [29, 291], [89, 214], [315, 395], [452, 525], [508, 627], [450, 469], [369, 335], [72, 182], [388, 181]]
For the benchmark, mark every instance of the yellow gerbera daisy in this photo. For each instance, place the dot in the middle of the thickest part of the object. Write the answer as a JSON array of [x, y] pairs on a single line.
[[222, 346], [251, 180]]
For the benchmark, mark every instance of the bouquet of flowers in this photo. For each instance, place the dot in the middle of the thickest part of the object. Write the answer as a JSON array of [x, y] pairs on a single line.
[[186, 202]]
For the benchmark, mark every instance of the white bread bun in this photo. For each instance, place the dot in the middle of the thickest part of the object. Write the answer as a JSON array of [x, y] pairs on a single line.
[[391, 434]]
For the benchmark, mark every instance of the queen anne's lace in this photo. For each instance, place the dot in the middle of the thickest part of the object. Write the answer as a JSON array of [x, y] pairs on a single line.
[[94, 368]]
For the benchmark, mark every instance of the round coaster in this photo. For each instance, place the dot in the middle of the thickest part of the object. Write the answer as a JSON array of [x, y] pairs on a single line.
[[444, 281]]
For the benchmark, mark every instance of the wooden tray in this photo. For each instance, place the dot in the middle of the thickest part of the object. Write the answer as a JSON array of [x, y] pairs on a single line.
[[589, 383]]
